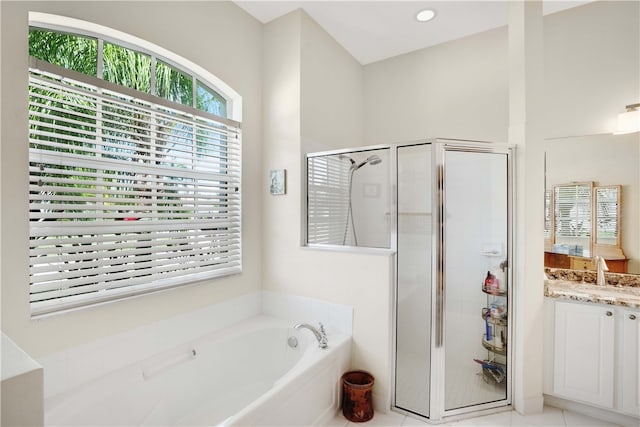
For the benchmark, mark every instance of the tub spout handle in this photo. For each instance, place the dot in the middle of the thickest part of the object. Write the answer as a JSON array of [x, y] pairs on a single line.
[[320, 335], [323, 343]]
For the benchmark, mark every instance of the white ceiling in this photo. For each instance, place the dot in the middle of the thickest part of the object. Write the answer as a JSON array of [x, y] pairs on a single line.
[[375, 30]]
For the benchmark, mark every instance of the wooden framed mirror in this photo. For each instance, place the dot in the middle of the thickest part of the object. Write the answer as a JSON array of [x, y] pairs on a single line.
[[606, 209], [583, 221]]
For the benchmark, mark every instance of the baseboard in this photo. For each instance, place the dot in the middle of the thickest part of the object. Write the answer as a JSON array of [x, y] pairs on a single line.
[[591, 411]]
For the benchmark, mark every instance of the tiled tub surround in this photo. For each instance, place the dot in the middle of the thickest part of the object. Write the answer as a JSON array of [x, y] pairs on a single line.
[[577, 285], [87, 384]]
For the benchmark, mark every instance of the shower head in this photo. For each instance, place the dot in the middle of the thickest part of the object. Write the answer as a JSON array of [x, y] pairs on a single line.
[[372, 160], [344, 156]]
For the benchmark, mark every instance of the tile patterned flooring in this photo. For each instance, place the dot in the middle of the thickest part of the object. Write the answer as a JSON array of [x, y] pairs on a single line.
[[550, 417]]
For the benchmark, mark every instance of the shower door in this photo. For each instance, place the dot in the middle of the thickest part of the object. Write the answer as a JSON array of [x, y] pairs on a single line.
[[413, 291], [452, 333]]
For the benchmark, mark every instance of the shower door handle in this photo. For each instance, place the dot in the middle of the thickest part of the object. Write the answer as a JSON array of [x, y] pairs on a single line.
[[439, 317], [440, 251]]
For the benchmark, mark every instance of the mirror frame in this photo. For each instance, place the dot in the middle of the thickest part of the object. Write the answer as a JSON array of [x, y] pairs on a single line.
[[607, 250]]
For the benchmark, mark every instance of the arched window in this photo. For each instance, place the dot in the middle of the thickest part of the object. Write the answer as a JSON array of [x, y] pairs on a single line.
[[134, 165]]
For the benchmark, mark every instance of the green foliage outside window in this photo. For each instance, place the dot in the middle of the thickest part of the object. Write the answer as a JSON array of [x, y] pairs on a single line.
[[65, 50], [124, 67], [209, 100], [173, 85]]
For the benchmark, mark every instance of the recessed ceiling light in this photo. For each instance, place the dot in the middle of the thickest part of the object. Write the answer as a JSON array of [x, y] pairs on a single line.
[[425, 15]]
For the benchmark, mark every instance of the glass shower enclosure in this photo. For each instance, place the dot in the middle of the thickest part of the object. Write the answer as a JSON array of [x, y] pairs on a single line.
[[453, 278], [445, 208]]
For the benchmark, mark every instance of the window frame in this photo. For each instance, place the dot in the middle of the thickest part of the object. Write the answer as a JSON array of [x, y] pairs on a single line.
[[83, 28], [234, 102]]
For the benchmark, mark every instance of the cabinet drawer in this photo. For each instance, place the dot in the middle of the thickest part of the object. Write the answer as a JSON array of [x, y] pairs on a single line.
[[581, 264]]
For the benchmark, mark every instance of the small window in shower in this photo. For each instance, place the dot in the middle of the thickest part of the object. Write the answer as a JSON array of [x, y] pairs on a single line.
[[348, 200]]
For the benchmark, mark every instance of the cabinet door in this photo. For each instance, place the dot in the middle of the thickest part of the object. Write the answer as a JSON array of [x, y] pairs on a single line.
[[584, 353], [630, 362]]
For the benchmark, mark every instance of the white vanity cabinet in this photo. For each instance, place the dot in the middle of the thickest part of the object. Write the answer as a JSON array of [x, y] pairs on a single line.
[[630, 361], [595, 355], [583, 366]]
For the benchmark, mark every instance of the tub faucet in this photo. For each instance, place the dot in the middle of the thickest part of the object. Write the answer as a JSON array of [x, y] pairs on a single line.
[[601, 267], [320, 335]]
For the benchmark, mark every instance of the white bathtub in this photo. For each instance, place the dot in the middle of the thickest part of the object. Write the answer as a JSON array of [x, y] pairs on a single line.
[[245, 375]]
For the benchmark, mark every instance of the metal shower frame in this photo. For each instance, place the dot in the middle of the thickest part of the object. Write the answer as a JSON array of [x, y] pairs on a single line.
[[437, 413]]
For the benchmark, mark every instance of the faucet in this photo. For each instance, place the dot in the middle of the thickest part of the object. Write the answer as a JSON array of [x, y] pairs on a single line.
[[601, 267], [320, 335]]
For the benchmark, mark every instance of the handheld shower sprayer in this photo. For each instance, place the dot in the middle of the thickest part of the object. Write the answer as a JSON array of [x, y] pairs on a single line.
[[373, 160]]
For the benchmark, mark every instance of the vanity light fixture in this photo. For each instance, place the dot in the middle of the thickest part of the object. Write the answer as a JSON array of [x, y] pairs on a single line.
[[629, 121], [425, 15]]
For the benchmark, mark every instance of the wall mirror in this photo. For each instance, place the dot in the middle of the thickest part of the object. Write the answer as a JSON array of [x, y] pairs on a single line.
[[592, 200]]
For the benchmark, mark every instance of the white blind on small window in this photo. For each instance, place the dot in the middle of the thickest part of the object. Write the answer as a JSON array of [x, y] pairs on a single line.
[[607, 214], [573, 211], [547, 214], [126, 195], [327, 199]]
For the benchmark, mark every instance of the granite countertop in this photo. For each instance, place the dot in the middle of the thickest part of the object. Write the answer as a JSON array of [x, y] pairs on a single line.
[[621, 289]]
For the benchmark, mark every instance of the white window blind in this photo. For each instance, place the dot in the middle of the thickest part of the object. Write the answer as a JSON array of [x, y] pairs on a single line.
[[607, 214], [128, 192], [327, 199], [573, 211], [547, 214]]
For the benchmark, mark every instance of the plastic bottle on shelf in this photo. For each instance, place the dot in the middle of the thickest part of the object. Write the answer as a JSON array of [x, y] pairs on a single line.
[[487, 333], [490, 283]]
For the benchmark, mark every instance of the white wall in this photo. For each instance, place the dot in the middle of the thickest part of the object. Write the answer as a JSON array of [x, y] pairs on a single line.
[[460, 89], [592, 67], [454, 90], [218, 36], [331, 92], [305, 110]]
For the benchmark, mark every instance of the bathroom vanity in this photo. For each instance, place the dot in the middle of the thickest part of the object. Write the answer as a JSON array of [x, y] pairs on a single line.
[[556, 260], [594, 334]]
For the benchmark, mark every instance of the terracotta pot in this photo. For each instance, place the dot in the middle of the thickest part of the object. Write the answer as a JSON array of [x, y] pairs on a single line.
[[357, 403]]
